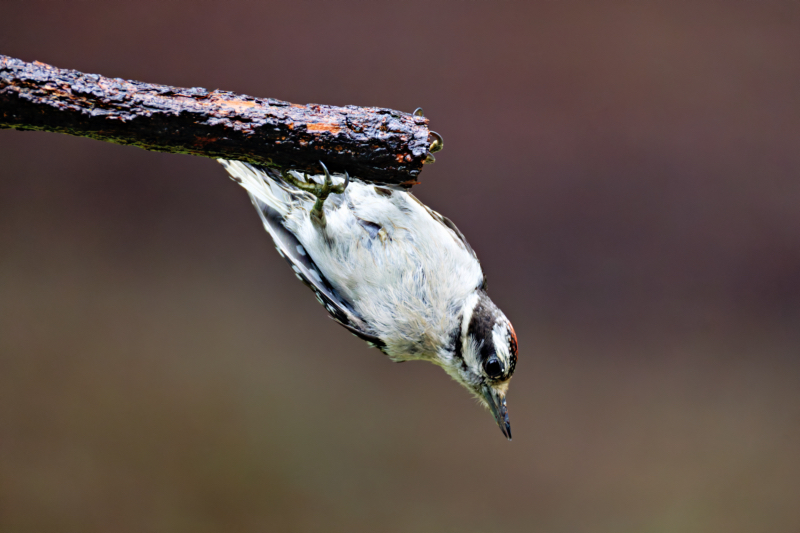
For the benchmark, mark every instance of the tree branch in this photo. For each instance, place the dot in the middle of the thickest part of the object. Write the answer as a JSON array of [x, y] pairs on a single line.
[[371, 143]]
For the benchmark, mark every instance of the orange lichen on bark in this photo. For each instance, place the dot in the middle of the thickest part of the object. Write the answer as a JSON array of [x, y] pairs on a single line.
[[330, 127]]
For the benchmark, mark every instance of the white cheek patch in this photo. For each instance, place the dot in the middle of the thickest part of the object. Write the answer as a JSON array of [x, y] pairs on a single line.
[[501, 342], [469, 308], [471, 353]]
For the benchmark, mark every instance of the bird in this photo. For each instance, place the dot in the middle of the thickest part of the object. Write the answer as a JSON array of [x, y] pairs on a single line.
[[392, 271]]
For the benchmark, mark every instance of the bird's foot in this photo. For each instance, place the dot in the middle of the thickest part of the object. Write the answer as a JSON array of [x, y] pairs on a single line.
[[321, 191]]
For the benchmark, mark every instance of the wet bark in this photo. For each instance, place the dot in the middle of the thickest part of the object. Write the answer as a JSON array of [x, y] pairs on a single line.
[[373, 144]]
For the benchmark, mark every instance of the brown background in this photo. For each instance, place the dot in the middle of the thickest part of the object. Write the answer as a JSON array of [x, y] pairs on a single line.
[[627, 172]]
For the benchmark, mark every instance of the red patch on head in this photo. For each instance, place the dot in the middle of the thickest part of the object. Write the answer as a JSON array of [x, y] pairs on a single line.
[[513, 340]]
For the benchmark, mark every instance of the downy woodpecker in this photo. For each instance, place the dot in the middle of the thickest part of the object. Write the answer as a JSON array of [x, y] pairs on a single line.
[[392, 271]]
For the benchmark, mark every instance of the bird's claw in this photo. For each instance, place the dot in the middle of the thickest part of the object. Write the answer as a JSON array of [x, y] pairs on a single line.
[[321, 191]]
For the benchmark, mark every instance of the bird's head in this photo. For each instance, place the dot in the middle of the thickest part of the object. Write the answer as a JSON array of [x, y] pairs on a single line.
[[484, 355]]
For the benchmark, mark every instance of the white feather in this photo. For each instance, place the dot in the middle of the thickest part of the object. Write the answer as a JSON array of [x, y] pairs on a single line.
[[408, 282]]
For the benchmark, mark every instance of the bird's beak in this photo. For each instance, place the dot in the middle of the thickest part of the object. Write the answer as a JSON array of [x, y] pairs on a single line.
[[497, 404]]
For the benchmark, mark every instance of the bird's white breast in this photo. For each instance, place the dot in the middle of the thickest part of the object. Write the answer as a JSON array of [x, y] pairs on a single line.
[[403, 271]]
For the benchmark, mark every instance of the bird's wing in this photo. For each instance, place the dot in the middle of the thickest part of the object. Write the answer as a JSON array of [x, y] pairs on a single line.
[[273, 200]]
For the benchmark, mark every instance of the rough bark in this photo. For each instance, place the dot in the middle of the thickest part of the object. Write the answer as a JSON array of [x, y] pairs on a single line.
[[373, 144]]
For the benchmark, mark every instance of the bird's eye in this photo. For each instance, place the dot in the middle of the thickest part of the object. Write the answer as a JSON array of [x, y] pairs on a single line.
[[493, 368]]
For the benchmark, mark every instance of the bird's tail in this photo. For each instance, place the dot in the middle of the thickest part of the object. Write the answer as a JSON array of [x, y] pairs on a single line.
[[262, 188]]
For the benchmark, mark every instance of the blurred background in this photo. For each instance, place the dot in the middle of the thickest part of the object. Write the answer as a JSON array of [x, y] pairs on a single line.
[[627, 173]]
